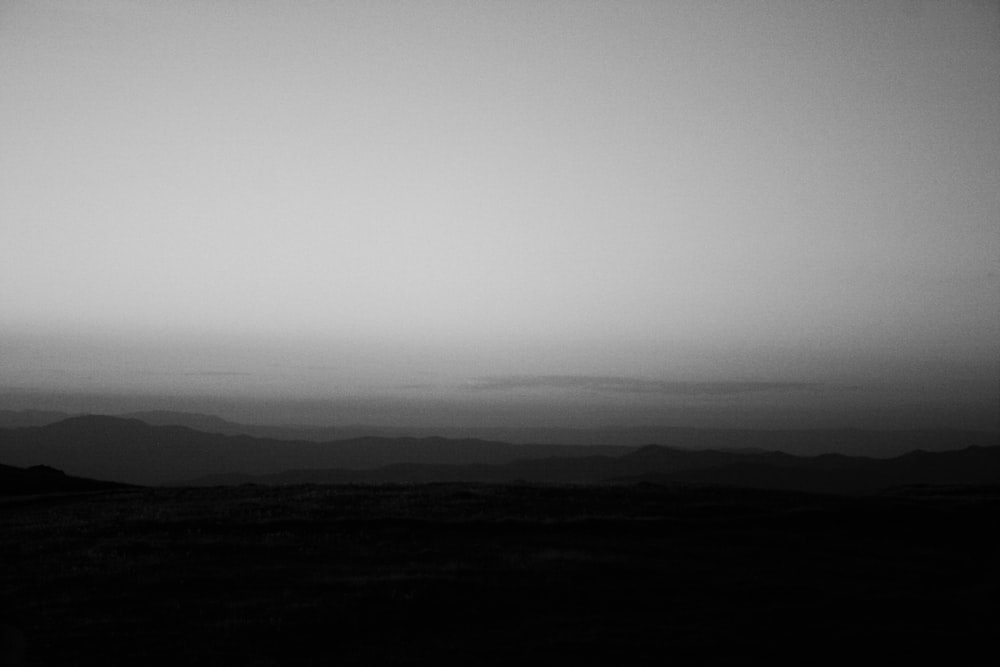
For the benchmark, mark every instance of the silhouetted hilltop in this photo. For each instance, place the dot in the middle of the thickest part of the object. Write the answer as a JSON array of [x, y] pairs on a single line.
[[23, 418], [193, 420], [44, 479], [214, 424]]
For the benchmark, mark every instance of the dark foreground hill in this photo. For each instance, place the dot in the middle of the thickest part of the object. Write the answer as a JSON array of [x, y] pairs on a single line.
[[43, 479], [501, 575]]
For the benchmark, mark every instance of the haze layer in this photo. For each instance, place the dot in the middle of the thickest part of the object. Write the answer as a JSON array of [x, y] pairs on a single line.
[[643, 211]]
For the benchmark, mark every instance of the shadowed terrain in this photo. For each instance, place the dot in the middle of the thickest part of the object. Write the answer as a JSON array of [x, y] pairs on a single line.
[[500, 574], [429, 550], [43, 479]]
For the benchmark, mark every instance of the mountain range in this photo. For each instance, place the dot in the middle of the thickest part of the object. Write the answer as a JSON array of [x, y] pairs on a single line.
[[802, 442], [133, 451]]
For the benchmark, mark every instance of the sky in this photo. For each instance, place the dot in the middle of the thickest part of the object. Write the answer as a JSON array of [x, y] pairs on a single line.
[[768, 213]]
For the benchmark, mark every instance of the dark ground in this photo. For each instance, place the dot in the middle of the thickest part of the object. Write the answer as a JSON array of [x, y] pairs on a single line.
[[480, 574]]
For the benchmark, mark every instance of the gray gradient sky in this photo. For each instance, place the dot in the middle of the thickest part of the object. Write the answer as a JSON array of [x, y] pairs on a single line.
[[625, 201]]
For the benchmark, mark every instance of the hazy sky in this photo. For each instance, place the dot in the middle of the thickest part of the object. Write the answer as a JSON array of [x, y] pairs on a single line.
[[619, 203]]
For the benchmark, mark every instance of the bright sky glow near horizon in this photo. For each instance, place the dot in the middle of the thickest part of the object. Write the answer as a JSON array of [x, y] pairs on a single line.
[[619, 201]]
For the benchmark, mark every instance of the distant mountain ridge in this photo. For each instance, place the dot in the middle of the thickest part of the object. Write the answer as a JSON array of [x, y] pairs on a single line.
[[855, 442], [846, 475], [132, 451], [775, 471], [803, 442]]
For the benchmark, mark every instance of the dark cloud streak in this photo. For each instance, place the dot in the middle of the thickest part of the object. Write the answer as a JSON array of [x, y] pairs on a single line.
[[630, 385]]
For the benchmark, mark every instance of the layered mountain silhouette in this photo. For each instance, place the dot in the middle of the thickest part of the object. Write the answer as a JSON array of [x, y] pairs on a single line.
[[130, 450], [133, 451], [654, 464], [803, 442]]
